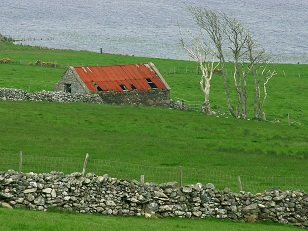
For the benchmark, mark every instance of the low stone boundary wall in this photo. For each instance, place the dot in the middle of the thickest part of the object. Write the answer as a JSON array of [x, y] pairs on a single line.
[[51, 96], [123, 197]]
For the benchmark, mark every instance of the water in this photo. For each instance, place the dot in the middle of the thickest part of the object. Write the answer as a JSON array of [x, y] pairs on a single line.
[[151, 28]]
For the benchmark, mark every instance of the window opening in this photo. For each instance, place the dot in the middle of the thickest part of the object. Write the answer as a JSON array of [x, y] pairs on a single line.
[[98, 88], [123, 87], [152, 85], [133, 87], [68, 88]]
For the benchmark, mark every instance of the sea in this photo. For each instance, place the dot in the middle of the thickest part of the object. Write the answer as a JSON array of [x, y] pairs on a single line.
[[151, 28]]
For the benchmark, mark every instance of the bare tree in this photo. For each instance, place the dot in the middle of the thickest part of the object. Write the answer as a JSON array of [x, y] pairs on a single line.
[[259, 61], [200, 52], [234, 42]]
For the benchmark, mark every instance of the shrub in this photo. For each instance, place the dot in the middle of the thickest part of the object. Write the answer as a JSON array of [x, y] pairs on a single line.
[[5, 60], [46, 64], [6, 39]]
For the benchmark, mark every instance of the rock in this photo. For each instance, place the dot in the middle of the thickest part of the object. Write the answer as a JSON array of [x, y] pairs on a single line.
[[250, 208], [278, 198], [30, 197], [20, 200], [165, 208], [6, 205], [31, 190], [198, 186], [197, 214], [204, 197], [5, 195], [226, 191], [47, 190], [187, 189], [110, 203], [39, 201], [53, 193], [210, 186], [226, 203], [160, 194], [261, 206], [151, 207]]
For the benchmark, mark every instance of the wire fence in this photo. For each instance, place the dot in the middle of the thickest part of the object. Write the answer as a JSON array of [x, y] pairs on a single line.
[[156, 174], [186, 105]]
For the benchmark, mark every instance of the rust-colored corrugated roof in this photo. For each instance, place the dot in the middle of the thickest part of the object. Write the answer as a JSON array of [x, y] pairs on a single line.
[[140, 77]]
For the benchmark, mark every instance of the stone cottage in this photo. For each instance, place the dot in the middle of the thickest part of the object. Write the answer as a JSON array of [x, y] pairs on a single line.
[[134, 84]]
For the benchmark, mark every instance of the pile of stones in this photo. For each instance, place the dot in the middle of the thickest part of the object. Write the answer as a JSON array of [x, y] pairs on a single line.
[[124, 197]]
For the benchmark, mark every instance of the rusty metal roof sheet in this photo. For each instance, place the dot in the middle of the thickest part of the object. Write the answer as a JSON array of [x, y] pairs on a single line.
[[140, 77]]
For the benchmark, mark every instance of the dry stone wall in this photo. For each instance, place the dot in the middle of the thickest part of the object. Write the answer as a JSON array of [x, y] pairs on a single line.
[[51, 96], [124, 197]]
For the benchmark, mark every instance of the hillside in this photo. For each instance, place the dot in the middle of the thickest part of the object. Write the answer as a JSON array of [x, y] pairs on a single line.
[[155, 141]]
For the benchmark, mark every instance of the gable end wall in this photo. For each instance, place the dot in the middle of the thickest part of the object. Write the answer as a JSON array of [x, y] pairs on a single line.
[[71, 77]]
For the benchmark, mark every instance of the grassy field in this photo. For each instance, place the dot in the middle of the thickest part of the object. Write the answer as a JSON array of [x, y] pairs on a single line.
[[153, 141], [34, 220]]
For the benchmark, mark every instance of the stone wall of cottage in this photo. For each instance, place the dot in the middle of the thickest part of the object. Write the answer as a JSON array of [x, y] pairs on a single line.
[[150, 97], [69, 77], [123, 197]]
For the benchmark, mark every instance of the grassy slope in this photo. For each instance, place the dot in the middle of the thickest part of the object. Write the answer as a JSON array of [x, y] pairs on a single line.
[[190, 138], [33, 220], [156, 136]]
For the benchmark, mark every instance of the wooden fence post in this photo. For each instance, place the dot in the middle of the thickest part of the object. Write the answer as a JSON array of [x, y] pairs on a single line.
[[85, 164], [20, 161], [240, 183], [181, 176], [142, 179]]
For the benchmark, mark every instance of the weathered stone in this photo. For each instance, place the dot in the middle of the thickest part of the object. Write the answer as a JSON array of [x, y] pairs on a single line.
[[53, 193], [110, 203], [30, 190], [226, 191], [261, 206], [198, 186], [249, 208], [47, 190], [226, 203], [6, 205], [278, 198], [187, 189], [20, 200], [197, 213], [5, 195], [151, 207], [160, 194], [39, 201], [30, 197], [165, 208], [210, 186]]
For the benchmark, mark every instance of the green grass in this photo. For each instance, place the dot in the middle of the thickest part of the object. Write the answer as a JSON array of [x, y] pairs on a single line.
[[151, 141], [33, 220], [153, 137]]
